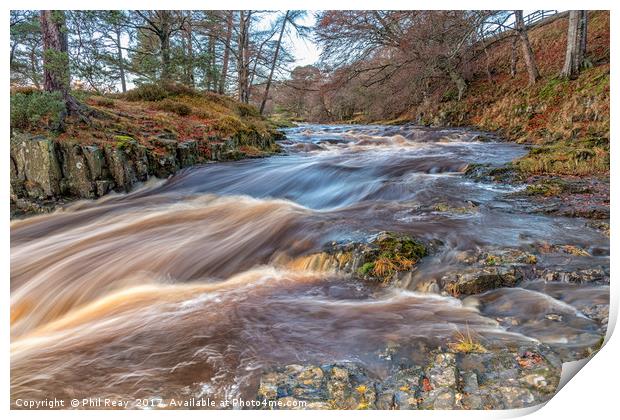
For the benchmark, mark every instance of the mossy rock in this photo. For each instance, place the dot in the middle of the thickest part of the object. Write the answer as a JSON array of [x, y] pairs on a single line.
[[391, 253]]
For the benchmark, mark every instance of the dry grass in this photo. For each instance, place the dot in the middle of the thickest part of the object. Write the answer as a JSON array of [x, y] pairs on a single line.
[[145, 113], [556, 113], [466, 344]]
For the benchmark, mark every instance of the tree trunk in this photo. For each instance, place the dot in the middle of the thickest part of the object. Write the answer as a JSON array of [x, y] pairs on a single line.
[[56, 77], [575, 43], [164, 40], [273, 63], [189, 61], [211, 77], [513, 57], [242, 56], [583, 36], [528, 54], [119, 55], [460, 83], [226, 57]]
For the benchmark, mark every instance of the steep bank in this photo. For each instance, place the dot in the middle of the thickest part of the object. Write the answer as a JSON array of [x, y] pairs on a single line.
[[568, 118], [151, 131]]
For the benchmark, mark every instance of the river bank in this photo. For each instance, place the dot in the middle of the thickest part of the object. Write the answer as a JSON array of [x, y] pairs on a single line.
[[152, 131]]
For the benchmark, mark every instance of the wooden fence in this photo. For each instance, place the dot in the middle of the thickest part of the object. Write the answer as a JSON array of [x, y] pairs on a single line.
[[528, 20]]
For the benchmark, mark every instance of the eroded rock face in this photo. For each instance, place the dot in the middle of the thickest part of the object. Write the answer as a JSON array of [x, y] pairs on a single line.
[[48, 170], [500, 379], [36, 171]]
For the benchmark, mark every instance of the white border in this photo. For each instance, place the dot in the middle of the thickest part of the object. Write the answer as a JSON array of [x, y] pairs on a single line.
[[591, 394]]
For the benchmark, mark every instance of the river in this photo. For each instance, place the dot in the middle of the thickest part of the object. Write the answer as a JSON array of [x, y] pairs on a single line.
[[187, 287]]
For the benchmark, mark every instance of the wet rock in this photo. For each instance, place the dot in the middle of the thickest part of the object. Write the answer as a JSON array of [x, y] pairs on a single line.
[[477, 280], [387, 257], [584, 276], [596, 312], [335, 386], [400, 391], [140, 161], [499, 379]]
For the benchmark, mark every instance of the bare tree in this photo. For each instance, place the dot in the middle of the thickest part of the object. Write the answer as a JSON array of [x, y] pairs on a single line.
[[274, 61], [528, 54], [513, 57], [229, 25], [576, 40], [243, 55]]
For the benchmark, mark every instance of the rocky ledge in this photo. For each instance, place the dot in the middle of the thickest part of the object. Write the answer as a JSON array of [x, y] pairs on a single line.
[[47, 172], [570, 196], [393, 258], [513, 378]]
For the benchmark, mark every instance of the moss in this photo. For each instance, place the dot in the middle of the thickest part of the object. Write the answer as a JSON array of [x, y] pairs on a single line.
[[393, 245], [492, 260], [176, 107], [366, 268], [124, 142], [552, 88], [393, 253], [546, 188], [588, 156]]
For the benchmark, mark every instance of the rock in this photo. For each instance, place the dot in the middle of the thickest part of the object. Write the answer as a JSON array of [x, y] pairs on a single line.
[[499, 379], [36, 167], [121, 170], [187, 154], [335, 386], [164, 163], [477, 280], [46, 171], [95, 158], [516, 397], [443, 372], [386, 257], [103, 187], [77, 179], [589, 275]]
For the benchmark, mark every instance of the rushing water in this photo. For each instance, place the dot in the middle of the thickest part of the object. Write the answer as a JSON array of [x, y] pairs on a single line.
[[181, 289]]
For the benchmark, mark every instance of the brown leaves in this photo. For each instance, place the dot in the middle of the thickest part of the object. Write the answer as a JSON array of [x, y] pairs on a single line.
[[529, 360]]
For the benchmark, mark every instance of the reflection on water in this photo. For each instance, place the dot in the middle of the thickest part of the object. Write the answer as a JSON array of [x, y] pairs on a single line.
[[174, 290]]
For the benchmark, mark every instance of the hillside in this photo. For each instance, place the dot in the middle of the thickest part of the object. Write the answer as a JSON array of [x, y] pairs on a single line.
[[569, 117]]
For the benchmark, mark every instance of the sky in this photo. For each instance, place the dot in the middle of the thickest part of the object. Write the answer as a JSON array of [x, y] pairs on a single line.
[[305, 50]]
